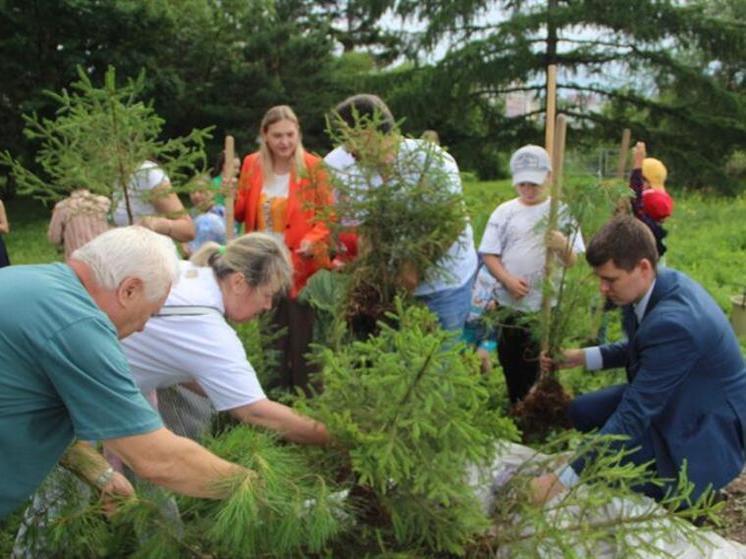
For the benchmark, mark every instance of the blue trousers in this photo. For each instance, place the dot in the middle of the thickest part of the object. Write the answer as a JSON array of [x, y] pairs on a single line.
[[591, 411], [451, 306]]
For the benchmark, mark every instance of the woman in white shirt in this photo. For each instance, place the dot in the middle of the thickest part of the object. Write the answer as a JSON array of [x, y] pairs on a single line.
[[190, 340]]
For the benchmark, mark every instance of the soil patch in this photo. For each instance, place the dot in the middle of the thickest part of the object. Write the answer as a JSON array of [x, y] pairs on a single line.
[[734, 514]]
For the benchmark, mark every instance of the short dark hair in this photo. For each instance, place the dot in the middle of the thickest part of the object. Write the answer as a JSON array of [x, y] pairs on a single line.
[[624, 241], [366, 106]]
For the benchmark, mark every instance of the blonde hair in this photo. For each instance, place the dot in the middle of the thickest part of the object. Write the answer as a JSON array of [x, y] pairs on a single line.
[[262, 259], [273, 116]]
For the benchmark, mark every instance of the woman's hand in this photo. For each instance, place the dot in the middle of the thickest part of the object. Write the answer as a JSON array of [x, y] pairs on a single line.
[[305, 250], [160, 225], [639, 155]]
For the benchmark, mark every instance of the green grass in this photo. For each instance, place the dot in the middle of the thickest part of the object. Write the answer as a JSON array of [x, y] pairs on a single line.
[[27, 241], [707, 234]]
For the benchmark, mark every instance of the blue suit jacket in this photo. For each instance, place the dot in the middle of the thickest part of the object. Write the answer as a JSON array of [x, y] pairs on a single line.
[[687, 384]]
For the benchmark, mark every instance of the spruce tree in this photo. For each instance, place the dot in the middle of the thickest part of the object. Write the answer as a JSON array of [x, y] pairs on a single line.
[[98, 139]]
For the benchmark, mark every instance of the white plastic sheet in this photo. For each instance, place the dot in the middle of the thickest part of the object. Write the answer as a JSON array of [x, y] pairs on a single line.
[[512, 457]]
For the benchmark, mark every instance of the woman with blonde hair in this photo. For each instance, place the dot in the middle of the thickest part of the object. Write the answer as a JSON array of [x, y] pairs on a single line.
[[280, 188], [190, 341]]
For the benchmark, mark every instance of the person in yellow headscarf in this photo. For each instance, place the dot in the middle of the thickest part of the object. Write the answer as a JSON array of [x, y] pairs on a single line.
[[651, 204]]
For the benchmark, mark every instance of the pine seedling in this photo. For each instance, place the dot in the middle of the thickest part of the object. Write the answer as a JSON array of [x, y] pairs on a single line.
[[63, 523], [413, 413], [285, 510], [98, 139], [572, 294], [73, 523], [149, 526], [404, 208]]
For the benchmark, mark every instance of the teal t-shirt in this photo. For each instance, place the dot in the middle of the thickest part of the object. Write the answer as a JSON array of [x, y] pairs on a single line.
[[62, 376]]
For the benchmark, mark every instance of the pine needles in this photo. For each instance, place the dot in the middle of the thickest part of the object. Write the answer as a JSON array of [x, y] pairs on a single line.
[[285, 510]]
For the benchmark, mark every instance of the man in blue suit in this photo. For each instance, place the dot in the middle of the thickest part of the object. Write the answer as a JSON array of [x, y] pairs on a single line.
[[685, 399]]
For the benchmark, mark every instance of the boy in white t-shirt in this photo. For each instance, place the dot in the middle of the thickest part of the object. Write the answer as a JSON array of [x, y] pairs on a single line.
[[514, 251]]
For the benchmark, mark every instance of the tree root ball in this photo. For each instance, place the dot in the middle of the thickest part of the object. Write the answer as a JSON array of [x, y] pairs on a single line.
[[543, 410]]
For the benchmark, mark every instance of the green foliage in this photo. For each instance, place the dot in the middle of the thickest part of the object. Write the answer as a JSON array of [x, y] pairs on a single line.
[[326, 292], [405, 206], [365, 385], [8, 529], [413, 412], [592, 517], [259, 339], [26, 242], [285, 509], [680, 63], [591, 205], [99, 138]]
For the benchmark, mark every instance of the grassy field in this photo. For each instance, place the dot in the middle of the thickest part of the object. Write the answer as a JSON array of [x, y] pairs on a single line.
[[707, 234]]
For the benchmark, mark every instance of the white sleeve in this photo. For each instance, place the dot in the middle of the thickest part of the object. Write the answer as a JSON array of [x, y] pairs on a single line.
[[155, 177], [449, 167], [492, 242], [339, 159], [220, 366], [594, 360]]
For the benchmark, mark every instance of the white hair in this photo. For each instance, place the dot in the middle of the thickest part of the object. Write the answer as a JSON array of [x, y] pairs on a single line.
[[132, 251]]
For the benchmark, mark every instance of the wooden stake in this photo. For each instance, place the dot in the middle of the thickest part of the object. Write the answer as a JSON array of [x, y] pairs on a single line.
[[558, 158], [555, 192], [623, 151], [551, 109], [227, 185]]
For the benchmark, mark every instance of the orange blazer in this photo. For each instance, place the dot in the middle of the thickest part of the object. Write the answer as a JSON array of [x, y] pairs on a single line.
[[305, 193]]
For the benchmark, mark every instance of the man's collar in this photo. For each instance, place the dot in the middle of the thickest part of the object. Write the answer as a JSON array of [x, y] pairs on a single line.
[[640, 307]]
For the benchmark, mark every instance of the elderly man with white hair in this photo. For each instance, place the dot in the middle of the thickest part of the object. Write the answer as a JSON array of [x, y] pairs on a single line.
[[63, 375]]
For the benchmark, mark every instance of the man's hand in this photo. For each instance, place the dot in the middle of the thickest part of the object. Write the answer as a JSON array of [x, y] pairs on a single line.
[[517, 287], [544, 488], [118, 486], [568, 359]]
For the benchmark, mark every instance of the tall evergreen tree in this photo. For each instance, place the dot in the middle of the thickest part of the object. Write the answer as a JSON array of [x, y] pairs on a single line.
[[626, 52]]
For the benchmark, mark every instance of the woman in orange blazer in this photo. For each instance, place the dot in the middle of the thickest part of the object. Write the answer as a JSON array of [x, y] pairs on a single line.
[[280, 189]]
